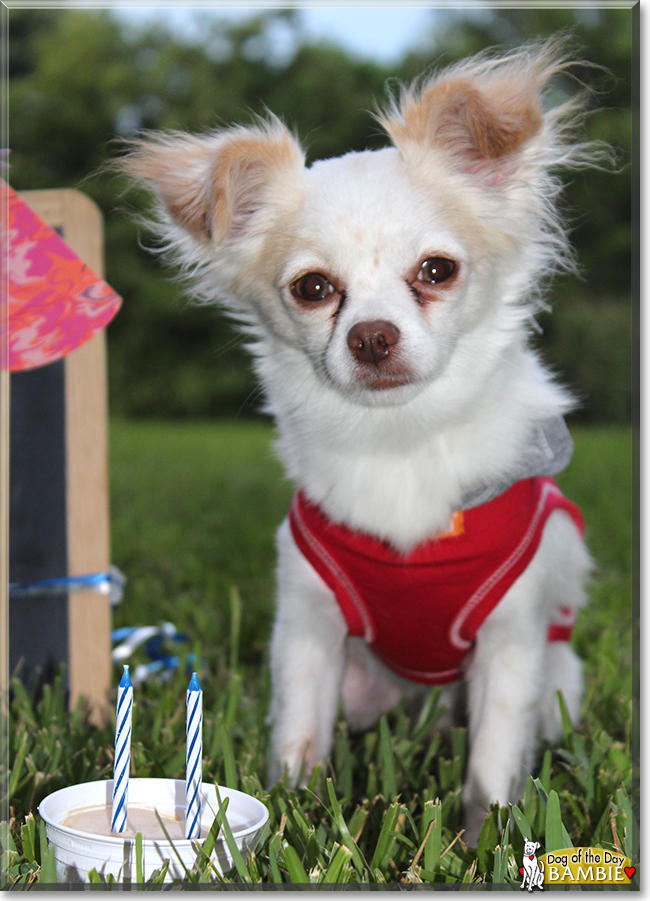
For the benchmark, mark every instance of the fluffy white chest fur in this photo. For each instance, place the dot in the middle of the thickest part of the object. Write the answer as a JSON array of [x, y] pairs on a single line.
[[390, 296]]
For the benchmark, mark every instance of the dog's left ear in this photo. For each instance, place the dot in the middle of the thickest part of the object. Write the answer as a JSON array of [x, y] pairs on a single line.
[[480, 114]]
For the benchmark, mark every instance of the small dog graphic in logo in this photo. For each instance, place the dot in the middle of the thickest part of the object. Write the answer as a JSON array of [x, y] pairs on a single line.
[[531, 870]]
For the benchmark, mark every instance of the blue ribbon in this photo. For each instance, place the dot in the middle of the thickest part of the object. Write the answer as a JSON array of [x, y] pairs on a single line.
[[111, 583], [127, 638]]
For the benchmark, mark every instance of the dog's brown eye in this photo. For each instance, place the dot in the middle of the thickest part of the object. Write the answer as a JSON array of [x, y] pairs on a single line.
[[313, 287], [436, 270]]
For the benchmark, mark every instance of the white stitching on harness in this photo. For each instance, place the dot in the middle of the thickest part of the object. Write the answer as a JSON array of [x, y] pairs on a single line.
[[454, 633], [335, 569]]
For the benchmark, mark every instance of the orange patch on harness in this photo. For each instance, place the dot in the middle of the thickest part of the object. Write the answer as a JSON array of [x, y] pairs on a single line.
[[455, 528]]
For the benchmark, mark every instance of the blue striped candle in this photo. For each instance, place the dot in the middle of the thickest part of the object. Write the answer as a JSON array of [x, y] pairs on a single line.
[[122, 763], [194, 754]]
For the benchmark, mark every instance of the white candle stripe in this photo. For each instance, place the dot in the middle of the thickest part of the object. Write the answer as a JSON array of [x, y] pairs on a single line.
[[194, 753], [122, 762]]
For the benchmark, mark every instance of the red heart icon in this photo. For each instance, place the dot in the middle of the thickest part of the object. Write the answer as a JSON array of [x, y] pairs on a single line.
[[531, 857], [521, 871], [630, 871]]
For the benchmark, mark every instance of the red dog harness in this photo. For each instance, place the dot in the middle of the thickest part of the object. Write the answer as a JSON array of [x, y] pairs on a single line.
[[420, 612]]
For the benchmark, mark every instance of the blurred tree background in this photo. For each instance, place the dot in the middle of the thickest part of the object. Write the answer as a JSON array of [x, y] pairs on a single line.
[[79, 79]]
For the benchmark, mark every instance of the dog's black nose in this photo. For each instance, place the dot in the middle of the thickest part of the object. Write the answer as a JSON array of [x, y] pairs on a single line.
[[372, 342]]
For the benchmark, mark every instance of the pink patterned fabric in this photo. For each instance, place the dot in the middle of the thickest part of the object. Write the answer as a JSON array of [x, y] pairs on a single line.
[[52, 301]]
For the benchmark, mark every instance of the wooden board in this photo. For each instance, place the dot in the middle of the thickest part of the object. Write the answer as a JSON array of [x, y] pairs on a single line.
[[86, 525]]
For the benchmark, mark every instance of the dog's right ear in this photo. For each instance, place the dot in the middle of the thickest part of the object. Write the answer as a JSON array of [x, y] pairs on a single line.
[[212, 185], [485, 115]]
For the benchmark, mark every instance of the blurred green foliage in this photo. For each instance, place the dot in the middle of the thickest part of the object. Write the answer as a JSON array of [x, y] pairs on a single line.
[[79, 79]]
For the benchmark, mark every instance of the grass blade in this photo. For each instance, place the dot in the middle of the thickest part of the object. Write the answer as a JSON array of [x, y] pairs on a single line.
[[294, 867], [387, 759], [429, 714], [228, 754], [48, 867], [18, 765], [139, 865], [433, 844], [167, 836], [341, 857], [386, 839], [523, 825], [458, 744], [43, 840], [470, 873], [626, 823], [358, 858], [28, 838], [488, 840], [545, 775], [235, 627], [500, 869], [210, 842], [567, 725], [541, 791], [274, 847], [344, 762], [556, 836], [235, 853], [7, 842]]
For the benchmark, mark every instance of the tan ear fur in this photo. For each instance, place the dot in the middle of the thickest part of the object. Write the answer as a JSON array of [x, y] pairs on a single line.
[[480, 112], [211, 185], [242, 171], [457, 114]]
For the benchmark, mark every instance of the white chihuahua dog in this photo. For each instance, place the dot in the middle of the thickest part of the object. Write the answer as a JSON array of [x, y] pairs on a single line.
[[391, 296]]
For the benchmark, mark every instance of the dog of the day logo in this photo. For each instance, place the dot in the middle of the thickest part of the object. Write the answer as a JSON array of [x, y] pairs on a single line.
[[531, 871], [573, 866]]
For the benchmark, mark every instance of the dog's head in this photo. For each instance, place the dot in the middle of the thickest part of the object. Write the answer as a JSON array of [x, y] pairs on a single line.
[[379, 265], [530, 847]]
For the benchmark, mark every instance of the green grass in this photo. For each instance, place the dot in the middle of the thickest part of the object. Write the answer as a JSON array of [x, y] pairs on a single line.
[[194, 511], [194, 508]]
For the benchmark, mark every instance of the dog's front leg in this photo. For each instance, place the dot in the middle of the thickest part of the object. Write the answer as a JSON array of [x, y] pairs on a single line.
[[505, 689], [307, 662]]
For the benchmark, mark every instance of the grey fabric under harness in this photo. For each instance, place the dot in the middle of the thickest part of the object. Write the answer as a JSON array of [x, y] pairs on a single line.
[[548, 452]]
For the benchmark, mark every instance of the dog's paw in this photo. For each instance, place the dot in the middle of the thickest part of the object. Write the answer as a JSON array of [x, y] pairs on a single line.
[[294, 764]]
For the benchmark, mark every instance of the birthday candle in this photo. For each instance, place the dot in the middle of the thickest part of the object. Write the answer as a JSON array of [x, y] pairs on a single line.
[[122, 762], [194, 754]]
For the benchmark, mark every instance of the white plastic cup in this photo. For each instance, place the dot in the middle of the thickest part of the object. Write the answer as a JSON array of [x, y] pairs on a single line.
[[77, 853]]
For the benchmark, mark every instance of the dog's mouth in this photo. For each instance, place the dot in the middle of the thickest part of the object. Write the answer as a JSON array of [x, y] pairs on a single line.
[[381, 382], [376, 387]]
